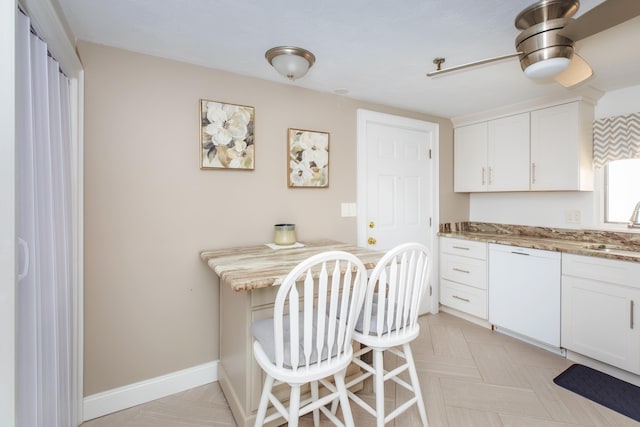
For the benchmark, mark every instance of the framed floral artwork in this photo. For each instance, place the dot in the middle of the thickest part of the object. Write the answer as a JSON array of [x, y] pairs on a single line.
[[226, 136], [308, 163]]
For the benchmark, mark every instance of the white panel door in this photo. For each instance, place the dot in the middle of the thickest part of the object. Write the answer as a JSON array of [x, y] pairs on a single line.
[[397, 184]]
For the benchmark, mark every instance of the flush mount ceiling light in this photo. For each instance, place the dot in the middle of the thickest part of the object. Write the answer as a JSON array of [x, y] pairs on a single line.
[[290, 61]]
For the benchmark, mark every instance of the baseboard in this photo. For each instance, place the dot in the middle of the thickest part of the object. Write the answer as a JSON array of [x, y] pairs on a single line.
[[120, 398], [557, 350], [627, 376], [468, 317]]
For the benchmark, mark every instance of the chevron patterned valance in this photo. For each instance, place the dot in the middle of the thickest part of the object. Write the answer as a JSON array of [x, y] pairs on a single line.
[[616, 138]]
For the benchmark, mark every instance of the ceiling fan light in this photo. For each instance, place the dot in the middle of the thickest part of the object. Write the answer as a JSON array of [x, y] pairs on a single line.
[[547, 68], [292, 62]]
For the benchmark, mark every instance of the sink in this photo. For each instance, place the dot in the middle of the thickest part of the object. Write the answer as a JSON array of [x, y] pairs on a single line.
[[625, 250]]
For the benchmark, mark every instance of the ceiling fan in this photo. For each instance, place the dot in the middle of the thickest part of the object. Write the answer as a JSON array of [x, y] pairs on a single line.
[[548, 34]]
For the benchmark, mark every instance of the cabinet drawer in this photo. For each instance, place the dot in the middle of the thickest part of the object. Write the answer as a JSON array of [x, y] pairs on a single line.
[[469, 271], [602, 269], [464, 247], [464, 298]]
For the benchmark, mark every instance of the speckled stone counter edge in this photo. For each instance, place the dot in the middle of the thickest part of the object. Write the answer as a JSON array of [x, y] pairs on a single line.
[[547, 238]]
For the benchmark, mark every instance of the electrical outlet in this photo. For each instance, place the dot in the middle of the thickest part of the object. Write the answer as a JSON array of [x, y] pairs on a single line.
[[573, 216]]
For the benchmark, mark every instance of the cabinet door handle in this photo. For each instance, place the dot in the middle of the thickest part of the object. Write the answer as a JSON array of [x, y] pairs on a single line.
[[461, 270], [482, 176], [461, 247], [490, 177], [631, 314], [533, 173], [461, 299]]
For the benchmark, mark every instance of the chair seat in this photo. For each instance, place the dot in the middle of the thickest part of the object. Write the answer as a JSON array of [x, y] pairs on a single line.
[[373, 320], [373, 329], [262, 331]]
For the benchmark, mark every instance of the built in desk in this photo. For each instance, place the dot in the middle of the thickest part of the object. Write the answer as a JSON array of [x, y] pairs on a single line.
[[249, 279]]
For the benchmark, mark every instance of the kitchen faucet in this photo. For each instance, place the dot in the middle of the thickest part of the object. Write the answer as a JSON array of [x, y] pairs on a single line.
[[634, 221]]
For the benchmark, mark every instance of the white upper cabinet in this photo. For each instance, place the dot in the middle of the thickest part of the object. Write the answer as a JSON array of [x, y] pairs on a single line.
[[562, 147], [547, 149], [493, 155], [508, 153], [470, 158]]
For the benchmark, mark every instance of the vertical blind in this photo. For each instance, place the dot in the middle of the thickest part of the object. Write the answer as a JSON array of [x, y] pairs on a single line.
[[616, 138], [44, 293]]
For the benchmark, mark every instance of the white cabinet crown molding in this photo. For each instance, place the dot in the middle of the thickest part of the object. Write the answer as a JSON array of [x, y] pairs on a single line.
[[589, 95]]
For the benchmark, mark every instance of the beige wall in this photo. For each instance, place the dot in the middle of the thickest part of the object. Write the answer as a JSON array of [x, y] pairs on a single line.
[[151, 305], [454, 207]]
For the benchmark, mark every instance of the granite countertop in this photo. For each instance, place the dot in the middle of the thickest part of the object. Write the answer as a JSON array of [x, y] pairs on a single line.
[[254, 267], [604, 244]]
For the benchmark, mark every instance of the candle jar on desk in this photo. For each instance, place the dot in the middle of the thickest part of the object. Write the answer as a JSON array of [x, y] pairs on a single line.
[[284, 234]]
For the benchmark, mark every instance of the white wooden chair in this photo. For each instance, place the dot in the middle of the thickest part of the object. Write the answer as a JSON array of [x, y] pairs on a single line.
[[389, 322], [309, 337]]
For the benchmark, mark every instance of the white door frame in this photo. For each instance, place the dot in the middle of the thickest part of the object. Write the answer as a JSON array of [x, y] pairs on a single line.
[[367, 116]]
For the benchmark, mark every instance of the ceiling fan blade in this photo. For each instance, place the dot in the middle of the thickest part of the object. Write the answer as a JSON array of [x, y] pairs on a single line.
[[602, 17], [470, 64], [577, 72]]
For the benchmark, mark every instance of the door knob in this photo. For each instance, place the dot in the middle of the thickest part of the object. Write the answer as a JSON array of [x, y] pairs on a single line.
[[371, 241], [372, 224]]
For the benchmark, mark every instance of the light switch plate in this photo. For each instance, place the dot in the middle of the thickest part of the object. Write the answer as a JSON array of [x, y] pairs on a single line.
[[348, 209]]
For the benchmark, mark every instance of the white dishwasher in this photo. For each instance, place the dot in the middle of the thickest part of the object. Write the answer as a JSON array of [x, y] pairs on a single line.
[[524, 292]]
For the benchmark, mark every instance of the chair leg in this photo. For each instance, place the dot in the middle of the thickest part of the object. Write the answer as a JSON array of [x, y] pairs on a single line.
[[314, 397], [344, 399], [415, 383], [294, 405], [378, 365], [264, 401]]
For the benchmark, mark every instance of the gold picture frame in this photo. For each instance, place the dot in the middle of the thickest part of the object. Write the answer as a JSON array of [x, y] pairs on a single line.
[[227, 139], [308, 158]]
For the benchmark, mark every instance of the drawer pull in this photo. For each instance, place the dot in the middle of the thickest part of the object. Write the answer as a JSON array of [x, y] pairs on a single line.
[[461, 299], [461, 247], [461, 270], [631, 314], [519, 253]]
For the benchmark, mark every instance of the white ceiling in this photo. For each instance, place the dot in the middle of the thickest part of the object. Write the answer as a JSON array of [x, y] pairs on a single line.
[[379, 50]]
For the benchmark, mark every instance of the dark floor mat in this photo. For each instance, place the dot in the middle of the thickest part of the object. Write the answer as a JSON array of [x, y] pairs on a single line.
[[602, 388]]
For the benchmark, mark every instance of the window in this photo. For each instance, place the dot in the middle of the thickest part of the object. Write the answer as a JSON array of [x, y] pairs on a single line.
[[622, 190]]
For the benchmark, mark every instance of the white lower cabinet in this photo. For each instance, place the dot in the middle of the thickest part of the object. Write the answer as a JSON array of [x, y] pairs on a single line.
[[600, 315], [463, 276]]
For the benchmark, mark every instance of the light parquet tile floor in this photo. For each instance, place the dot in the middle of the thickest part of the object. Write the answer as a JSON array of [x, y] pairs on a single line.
[[470, 377]]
